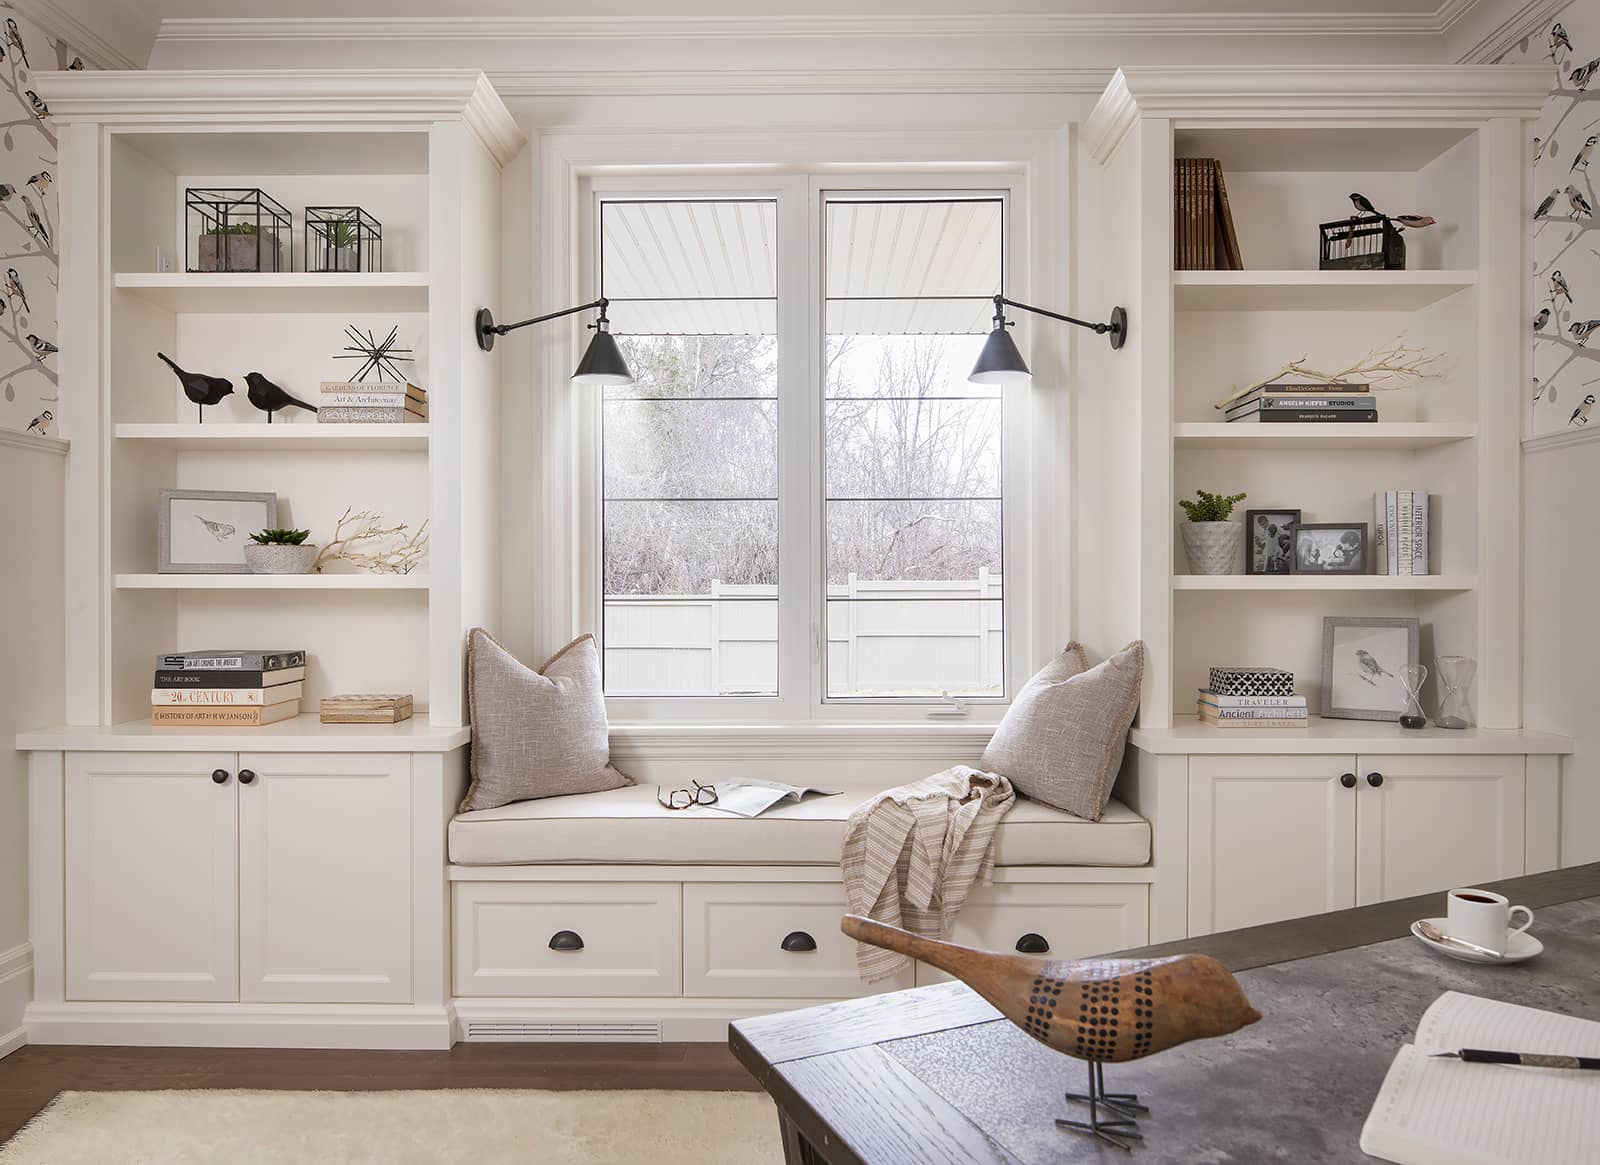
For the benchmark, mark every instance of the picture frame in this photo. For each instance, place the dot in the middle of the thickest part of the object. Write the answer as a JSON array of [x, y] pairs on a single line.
[[1331, 548], [204, 531], [1269, 541], [1361, 661]]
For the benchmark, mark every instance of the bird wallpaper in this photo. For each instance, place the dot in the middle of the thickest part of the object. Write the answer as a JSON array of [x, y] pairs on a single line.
[[1566, 234], [28, 264]]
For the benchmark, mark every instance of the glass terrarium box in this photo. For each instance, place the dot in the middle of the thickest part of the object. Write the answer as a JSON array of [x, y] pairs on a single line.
[[236, 230], [342, 238]]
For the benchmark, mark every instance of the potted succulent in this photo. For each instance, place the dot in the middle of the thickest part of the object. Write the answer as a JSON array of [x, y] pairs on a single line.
[[1212, 543], [280, 552], [343, 246]]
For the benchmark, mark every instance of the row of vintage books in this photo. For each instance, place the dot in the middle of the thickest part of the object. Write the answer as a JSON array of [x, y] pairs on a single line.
[[235, 688]]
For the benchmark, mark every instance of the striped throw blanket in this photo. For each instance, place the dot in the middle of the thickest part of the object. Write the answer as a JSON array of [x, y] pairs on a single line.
[[912, 853]]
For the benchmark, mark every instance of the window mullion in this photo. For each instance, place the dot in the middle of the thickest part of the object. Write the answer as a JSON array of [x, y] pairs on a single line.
[[797, 445]]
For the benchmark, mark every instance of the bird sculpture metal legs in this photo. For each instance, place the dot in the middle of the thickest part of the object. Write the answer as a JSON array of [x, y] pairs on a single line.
[[1124, 1107]]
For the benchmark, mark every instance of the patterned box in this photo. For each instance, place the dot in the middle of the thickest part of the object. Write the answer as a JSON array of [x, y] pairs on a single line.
[[1251, 681]]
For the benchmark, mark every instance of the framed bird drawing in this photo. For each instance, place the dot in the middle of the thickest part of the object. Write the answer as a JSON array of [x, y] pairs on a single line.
[[1361, 662], [204, 531]]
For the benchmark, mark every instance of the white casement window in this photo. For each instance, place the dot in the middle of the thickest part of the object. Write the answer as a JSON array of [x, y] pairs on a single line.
[[799, 509]]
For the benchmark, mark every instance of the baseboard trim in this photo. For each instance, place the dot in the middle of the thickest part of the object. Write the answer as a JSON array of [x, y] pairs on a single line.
[[203, 1025], [16, 988], [671, 1020], [11, 1041]]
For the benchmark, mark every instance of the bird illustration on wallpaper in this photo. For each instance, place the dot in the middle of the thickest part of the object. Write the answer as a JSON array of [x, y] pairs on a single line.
[[1566, 274]]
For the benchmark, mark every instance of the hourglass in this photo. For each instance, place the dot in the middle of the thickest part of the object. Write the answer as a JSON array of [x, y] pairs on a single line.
[[1412, 677], [1456, 673]]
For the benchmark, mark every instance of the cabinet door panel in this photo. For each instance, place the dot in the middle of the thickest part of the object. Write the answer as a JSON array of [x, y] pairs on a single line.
[[325, 878], [1270, 837], [1437, 822], [151, 863]]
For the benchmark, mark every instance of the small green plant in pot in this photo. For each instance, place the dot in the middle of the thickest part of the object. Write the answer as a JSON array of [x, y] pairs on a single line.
[[235, 247], [1214, 544], [280, 552]]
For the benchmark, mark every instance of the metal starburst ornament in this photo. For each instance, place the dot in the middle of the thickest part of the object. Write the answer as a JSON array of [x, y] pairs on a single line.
[[377, 356]]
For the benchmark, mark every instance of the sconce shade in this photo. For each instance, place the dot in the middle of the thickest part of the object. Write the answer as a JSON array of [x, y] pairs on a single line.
[[603, 362], [1000, 362]]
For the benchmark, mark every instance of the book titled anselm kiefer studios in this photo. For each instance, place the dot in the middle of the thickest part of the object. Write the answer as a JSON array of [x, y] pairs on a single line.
[[228, 688]]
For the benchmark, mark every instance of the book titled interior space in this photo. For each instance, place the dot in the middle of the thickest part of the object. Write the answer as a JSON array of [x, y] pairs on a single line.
[[1443, 1111]]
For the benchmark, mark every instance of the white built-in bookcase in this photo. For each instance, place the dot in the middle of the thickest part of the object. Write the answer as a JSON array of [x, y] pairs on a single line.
[[420, 151], [1293, 144]]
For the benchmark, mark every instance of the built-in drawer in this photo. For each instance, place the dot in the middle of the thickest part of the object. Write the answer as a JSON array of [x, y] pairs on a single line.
[[568, 938], [1074, 921], [735, 936]]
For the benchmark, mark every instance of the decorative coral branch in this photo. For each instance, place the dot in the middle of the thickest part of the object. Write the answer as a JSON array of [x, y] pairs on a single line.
[[356, 539], [1383, 368]]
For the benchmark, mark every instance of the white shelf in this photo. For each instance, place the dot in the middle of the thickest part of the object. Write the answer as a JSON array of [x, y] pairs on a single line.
[[1188, 735], [1323, 582], [1315, 290], [1333, 435], [291, 436], [305, 732], [280, 291], [272, 582]]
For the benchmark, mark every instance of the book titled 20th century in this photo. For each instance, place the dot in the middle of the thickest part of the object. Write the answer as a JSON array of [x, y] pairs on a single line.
[[226, 717]]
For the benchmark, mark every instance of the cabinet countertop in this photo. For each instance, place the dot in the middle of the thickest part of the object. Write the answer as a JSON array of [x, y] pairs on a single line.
[[1188, 735], [303, 733]]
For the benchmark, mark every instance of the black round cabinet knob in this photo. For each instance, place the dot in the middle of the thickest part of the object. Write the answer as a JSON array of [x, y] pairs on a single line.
[[1374, 779], [1033, 944], [1348, 780], [220, 776], [566, 940], [246, 777], [797, 941]]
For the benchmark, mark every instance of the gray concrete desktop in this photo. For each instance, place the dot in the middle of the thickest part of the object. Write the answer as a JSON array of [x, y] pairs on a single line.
[[1295, 1087]]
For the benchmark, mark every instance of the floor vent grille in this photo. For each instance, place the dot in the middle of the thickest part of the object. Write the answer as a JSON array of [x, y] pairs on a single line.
[[564, 1031]]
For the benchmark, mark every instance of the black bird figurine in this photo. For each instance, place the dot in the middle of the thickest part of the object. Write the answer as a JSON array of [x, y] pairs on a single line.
[[198, 387], [269, 398]]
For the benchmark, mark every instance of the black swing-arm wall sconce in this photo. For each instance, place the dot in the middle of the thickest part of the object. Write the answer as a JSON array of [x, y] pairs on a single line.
[[1001, 363], [602, 361]]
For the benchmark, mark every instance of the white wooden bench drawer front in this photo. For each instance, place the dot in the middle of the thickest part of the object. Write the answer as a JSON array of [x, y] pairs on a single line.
[[1075, 921], [735, 934], [568, 938]]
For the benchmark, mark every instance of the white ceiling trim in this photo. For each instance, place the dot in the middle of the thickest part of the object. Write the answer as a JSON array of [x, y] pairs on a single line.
[[721, 82], [95, 49], [1341, 23]]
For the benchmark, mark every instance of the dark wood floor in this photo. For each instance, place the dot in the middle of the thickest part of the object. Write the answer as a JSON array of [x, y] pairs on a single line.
[[31, 1076]]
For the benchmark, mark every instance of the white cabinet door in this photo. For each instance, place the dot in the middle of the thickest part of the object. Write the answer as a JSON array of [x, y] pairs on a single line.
[[151, 897], [1435, 822], [325, 878], [1270, 837]]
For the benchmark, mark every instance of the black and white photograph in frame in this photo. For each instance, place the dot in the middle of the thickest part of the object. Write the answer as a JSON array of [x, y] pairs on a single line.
[[204, 531], [1361, 662], [1330, 548], [1271, 545]]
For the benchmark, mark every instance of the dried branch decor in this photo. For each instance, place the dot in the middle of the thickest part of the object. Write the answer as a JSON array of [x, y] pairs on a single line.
[[362, 539], [1396, 366]]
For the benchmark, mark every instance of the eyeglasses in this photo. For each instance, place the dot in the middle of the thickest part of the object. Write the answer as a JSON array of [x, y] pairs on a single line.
[[686, 798]]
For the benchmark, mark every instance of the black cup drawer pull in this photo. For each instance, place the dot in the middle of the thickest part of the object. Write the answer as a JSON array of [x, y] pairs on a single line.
[[797, 941], [1033, 944], [566, 940]]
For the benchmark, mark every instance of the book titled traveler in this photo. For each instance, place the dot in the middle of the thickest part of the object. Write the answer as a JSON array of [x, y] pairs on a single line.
[[1445, 1111], [751, 797]]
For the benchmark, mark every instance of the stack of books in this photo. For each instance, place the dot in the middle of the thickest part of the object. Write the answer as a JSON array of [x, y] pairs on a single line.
[[1203, 234], [229, 688], [1400, 531], [1251, 697], [1305, 403], [350, 401], [387, 708]]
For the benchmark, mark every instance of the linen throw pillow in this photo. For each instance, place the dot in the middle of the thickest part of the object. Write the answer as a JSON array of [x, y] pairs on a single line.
[[1062, 739], [536, 733]]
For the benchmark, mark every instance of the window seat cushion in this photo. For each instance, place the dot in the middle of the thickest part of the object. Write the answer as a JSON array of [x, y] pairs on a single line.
[[626, 826]]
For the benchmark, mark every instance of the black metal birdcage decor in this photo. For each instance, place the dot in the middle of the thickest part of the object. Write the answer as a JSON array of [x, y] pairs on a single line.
[[236, 230], [342, 238], [1369, 243]]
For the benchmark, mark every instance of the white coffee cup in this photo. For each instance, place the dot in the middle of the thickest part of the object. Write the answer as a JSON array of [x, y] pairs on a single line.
[[1483, 918]]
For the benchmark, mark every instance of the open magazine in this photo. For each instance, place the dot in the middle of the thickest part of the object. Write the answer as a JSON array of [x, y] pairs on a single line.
[[751, 796]]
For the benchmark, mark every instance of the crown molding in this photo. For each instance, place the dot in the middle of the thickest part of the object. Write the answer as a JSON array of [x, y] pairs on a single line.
[[1560, 439], [96, 49], [1493, 44], [782, 82], [287, 97], [1409, 94], [15, 439]]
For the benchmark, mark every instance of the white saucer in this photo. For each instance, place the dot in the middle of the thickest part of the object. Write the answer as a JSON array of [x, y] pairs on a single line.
[[1520, 946]]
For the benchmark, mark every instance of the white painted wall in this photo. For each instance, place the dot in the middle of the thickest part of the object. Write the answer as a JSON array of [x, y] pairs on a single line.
[[31, 683]]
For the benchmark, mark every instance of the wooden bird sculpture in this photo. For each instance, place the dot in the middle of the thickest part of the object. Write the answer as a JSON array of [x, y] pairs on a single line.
[[1099, 1010]]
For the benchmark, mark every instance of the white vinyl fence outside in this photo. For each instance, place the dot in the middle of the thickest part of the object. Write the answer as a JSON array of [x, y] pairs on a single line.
[[897, 637]]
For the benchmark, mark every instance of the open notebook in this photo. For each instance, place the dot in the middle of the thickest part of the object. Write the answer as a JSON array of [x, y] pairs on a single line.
[[1445, 1112]]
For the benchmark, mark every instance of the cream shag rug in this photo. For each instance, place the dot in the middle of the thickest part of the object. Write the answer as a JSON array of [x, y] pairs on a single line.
[[470, 1127]]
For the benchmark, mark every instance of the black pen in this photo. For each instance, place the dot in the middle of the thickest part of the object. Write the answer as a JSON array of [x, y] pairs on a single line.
[[1524, 1059]]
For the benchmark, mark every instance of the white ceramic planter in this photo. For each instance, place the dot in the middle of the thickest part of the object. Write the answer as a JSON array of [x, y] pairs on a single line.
[[1213, 547], [278, 558]]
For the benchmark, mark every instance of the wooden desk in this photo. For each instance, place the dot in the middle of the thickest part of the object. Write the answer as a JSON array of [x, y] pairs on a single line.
[[933, 1076]]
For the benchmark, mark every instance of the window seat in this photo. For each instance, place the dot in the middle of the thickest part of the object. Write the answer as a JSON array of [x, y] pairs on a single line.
[[627, 826]]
